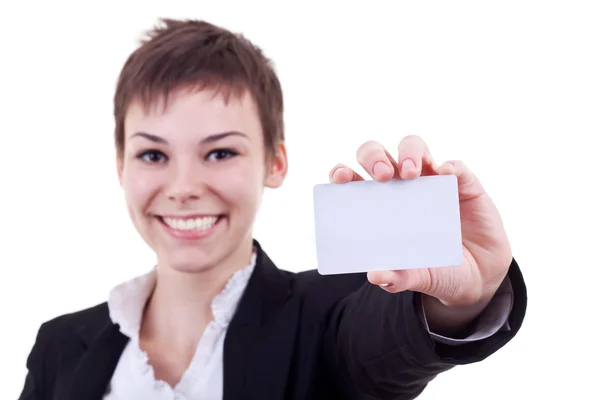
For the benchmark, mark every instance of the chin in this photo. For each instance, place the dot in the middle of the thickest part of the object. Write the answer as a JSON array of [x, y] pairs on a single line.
[[189, 260], [196, 256]]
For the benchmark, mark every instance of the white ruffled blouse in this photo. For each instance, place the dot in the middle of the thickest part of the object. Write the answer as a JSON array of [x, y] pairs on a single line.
[[134, 376]]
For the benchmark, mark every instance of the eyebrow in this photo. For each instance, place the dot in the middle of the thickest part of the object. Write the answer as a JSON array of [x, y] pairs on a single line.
[[209, 139]]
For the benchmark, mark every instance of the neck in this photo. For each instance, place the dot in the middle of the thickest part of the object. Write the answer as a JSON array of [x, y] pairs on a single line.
[[180, 306]]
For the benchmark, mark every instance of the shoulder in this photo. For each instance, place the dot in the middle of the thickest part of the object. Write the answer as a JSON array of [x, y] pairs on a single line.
[[56, 335], [64, 328], [79, 321]]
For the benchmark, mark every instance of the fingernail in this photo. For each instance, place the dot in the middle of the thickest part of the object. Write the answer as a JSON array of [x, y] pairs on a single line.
[[381, 168], [408, 164], [386, 285], [337, 173]]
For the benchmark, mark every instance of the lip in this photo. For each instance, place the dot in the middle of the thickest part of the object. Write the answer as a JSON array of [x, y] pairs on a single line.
[[187, 234]]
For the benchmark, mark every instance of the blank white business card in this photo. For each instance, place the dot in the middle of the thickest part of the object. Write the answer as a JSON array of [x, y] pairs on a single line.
[[401, 224]]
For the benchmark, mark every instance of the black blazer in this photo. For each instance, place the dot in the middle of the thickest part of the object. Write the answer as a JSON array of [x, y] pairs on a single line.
[[294, 336]]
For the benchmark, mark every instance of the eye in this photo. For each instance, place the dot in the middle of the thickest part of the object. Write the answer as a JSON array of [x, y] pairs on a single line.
[[152, 156], [221, 154]]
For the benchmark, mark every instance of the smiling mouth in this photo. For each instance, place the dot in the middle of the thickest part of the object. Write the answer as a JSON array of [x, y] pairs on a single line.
[[192, 223]]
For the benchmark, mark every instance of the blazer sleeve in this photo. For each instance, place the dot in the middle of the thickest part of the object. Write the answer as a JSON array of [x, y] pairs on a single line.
[[492, 319], [376, 343], [34, 387]]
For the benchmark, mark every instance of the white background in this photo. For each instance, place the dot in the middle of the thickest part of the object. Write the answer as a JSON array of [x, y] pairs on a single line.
[[512, 88]]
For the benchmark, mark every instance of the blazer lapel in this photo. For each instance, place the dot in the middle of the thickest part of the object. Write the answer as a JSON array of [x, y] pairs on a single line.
[[258, 350], [94, 371], [260, 340]]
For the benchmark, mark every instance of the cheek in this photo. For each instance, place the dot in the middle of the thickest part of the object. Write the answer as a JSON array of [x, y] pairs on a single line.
[[139, 188], [240, 188]]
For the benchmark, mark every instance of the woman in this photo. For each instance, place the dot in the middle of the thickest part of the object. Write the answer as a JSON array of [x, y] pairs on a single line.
[[199, 135]]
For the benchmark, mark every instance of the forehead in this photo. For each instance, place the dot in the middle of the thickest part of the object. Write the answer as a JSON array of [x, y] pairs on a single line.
[[197, 112]]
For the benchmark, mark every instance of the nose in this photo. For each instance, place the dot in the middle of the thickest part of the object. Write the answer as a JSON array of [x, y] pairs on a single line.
[[186, 184]]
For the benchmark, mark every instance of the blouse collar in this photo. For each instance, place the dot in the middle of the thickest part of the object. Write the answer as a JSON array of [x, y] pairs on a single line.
[[126, 301]]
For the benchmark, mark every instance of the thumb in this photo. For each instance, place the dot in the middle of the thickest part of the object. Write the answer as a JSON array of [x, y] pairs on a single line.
[[469, 185]]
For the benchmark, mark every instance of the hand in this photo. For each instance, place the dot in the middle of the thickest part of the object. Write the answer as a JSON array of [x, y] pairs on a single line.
[[486, 251]]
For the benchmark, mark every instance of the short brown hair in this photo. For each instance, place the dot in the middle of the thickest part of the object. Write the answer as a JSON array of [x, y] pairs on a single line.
[[178, 54]]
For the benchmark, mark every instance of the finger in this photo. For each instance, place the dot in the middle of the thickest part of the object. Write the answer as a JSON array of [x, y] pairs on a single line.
[[469, 186], [417, 280], [378, 163], [343, 174], [414, 158]]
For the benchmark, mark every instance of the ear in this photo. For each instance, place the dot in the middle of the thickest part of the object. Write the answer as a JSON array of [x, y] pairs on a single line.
[[120, 168], [277, 168]]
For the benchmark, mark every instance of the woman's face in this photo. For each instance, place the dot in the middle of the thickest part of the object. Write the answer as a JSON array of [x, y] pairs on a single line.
[[193, 177]]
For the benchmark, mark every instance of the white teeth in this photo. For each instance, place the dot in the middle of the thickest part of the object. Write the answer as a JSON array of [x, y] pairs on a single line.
[[191, 224]]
